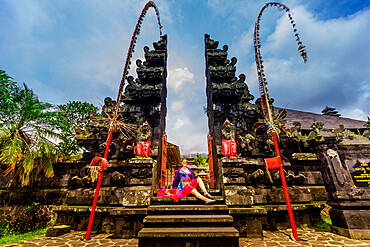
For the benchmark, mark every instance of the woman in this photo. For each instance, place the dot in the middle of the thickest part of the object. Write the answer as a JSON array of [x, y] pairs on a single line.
[[185, 183]]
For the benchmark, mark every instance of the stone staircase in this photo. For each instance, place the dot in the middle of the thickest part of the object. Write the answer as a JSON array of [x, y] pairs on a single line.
[[189, 223]]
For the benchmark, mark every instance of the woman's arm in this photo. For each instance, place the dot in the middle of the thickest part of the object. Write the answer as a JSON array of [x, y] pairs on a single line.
[[176, 179]]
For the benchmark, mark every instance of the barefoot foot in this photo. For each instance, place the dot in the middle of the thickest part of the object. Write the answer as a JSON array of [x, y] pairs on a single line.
[[206, 194], [208, 201]]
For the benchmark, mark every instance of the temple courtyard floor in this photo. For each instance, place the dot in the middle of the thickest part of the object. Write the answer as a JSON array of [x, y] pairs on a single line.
[[309, 237]]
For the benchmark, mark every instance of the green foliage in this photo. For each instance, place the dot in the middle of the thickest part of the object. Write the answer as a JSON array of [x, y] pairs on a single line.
[[32, 223], [14, 238], [31, 219], [316, 126], [7, 89], [324, 225], [199, 160], [26, 127], [367, 124], [31, 208], [78, 113], [314, 135], [3, 227], [73, 117]]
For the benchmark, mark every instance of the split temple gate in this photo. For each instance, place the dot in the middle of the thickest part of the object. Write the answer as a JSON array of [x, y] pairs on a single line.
[[326, 160]]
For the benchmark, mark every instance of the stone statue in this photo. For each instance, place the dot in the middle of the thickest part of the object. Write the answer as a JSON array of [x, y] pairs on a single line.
[[254, 177], [108, 108], [144, 135], [228, 140], [246, 142]]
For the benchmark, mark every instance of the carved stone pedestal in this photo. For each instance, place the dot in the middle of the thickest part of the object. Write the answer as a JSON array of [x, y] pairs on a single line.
[[346, 172]]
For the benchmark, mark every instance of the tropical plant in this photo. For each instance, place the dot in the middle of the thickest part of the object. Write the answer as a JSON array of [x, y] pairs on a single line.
[[199, 160], [75, 116], [27, 126], [367, 124], [32, 218], [7, 88]]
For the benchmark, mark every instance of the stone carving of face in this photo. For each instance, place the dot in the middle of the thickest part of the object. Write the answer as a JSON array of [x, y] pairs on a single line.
[[108, 101], [228, 131]]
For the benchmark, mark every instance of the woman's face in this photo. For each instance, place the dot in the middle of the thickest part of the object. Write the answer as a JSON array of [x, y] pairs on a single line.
[[184, 163]]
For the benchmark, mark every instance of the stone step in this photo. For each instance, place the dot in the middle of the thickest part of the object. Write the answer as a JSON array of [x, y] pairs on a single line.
[[184, 200], [188, 232], [156, 221], [187, 209]]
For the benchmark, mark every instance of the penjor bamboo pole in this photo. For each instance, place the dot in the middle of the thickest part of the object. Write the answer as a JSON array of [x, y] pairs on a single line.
[[97, 189], [116, 109], [286, 192]]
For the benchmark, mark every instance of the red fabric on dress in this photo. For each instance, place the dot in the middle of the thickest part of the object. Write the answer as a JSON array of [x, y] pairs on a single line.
[[143, 148], [189, 187], [175, 194], [229, 148]]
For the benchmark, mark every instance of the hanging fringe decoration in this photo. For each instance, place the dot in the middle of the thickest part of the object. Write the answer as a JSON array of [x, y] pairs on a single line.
[[258, 58], [97, 165], [131, 50], [94, 173]]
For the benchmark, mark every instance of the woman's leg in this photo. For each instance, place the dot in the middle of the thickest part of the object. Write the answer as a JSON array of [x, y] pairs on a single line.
[[199, 196], [203, 187]]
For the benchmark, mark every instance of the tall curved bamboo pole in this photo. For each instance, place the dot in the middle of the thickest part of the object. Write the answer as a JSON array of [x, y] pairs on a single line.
[[262, 87], [120, 89], [258, 58]]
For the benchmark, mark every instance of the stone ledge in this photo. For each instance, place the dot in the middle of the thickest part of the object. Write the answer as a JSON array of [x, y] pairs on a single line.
[[56, 231], [248, 211], [352, 233], [188, 218], [241, 161], [140, 160], [193, 232], [304, 156], [295, 207], [116, 211]]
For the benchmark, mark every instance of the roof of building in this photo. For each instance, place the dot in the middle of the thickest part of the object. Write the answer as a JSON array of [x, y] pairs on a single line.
[[194, 167], [330, 122]]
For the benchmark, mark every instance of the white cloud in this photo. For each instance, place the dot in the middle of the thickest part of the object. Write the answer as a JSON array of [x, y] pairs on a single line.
[[177, 105], [337, 69], [178, 77], [179, 123], [76, 51], [354, 114]]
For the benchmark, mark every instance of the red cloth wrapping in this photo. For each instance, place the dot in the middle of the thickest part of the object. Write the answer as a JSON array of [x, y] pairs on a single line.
[[143, 148], [273, 164], [229, 148]]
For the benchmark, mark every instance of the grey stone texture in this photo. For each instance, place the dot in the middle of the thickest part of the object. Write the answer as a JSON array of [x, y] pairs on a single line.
[[283, 238]]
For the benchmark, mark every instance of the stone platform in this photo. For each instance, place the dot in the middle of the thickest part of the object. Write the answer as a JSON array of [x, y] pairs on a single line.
[[188, 225], [310, 238]]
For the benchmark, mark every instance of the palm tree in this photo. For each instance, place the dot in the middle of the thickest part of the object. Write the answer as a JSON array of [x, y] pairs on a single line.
[[27, 126]]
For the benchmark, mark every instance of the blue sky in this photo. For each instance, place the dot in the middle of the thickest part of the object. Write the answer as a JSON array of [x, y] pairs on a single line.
[[75, 50]]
